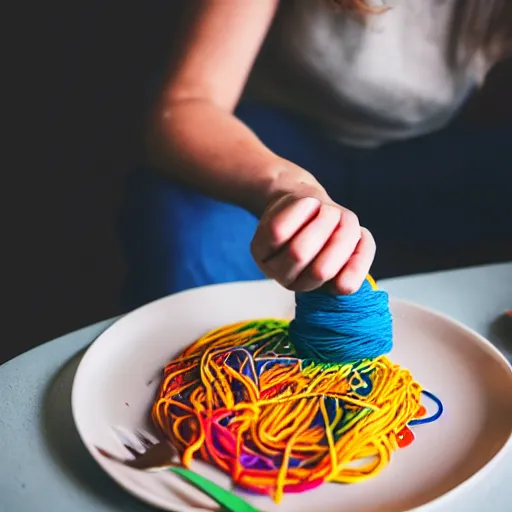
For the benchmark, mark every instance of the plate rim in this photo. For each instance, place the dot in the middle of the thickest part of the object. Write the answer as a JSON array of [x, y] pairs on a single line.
[[393, 300]]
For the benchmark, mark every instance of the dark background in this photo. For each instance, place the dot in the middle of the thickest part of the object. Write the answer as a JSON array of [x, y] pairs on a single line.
[[77, 82], [77, 78]]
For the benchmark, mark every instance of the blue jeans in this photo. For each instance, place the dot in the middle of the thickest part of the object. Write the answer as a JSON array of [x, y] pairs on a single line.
[[438, 201]]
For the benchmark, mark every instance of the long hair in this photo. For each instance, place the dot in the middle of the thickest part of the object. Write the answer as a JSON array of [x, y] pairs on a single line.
[[478, 25]]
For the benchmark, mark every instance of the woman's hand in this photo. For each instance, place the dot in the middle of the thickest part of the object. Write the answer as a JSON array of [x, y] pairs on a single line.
[[305, 241]]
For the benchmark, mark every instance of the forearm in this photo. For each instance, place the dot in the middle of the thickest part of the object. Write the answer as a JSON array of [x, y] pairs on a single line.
[[207, 148]]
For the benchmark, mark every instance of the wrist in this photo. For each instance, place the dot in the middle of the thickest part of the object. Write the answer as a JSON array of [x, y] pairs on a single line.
[[289, 178]]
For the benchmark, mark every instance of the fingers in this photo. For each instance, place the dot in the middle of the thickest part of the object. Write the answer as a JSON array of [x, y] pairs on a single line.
[[304, 247], [304, 244], [352, 275], [333, 256], [280, 223]]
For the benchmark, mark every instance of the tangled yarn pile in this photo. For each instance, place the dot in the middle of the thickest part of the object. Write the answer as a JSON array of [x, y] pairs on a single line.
[[266, 404]]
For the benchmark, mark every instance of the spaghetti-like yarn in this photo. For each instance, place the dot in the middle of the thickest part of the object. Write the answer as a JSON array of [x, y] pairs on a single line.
[[284, 407], [240, 399], [343, 328]]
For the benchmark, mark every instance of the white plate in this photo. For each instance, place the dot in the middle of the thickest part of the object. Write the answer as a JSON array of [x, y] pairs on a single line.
[[117, 379]]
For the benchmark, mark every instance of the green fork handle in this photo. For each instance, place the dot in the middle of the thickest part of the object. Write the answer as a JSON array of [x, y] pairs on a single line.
[[227, 500]]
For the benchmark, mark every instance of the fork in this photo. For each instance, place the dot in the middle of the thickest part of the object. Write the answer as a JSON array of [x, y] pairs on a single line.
[[161, 455]]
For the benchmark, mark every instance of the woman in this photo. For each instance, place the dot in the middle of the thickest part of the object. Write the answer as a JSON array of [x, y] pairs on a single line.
[[291, 135]]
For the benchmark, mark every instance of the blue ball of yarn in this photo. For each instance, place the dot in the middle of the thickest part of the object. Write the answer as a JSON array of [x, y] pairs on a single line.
[[342, 328]]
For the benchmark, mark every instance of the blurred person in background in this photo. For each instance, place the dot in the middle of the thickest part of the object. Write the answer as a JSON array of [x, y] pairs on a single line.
[[291, 138]]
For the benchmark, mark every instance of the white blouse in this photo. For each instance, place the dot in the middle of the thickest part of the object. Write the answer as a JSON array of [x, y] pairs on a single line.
[[365, 83]]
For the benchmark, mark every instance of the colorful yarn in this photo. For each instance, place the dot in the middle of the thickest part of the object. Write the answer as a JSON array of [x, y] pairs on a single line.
[[241, 399], [344, 328]]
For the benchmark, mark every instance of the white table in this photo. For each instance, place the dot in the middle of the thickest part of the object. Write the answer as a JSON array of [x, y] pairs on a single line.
[[44, 466]]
